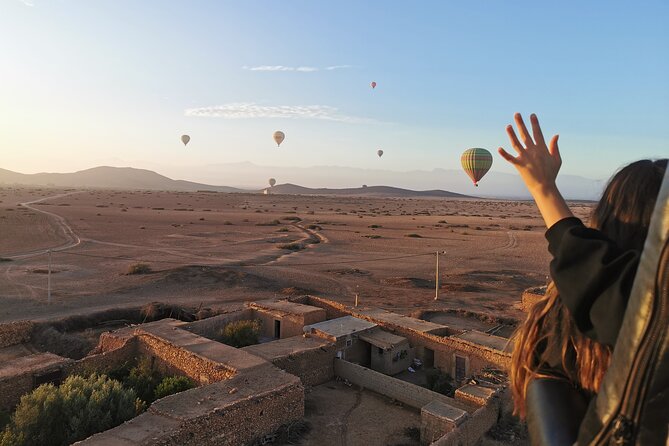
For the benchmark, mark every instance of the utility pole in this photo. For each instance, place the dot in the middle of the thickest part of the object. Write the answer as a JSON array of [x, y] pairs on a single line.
[[436, 275], [436, 282], [356, 299], [48, 280]]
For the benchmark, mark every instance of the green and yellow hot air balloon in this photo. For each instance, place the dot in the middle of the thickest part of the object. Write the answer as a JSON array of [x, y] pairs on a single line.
[[476, 163]]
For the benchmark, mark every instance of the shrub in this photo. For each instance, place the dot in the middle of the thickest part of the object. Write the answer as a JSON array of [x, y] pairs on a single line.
[[292, 218], [440, 382], [171, 385], [139, 268], [241, 333], [70, 412], [374, 226], [414, 235], [269, 223]]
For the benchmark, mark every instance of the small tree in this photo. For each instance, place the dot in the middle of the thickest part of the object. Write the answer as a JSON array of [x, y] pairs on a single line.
[[75, 410], [241, 333], [171, 385]]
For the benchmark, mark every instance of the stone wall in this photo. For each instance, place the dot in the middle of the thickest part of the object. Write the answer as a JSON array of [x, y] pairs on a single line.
[[313, 366], [245, 408], [17, 377], [115, 353], [470, 432], [210, 327], [16, 332], [402, 391], [332, 309], [182, 361]]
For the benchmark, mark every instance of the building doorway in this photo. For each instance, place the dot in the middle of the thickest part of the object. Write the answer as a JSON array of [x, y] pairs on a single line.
[[428, 357], [277, 329], [460, 368]]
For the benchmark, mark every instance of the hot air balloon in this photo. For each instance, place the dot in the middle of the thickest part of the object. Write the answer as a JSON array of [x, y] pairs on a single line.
[[380, 153], [373, 84], [272, 182], [279, 136], [185, 139], [476, 163]]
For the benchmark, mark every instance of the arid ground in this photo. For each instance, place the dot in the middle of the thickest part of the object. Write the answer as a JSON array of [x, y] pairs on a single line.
[[209, 249]]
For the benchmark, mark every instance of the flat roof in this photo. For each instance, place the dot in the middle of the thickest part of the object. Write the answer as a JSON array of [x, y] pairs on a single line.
[[341, 326], [382, 338], [285, 347], [31, 364], [487, 340], [285, 306], [412, 323]]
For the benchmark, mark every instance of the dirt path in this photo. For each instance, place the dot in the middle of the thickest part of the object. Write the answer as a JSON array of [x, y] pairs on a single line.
[[66, 230]]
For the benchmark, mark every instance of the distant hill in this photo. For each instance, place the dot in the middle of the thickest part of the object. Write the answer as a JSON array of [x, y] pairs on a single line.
[[368, 191], [105, 177]]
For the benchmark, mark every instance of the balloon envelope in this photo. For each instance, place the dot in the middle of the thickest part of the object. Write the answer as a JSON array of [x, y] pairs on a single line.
[[185, 139], [272, 182], [373, 84], [279, 136], [476, 163], [380, 153]]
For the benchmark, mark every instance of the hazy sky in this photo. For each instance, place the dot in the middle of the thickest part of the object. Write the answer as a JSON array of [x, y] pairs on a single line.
[[90, 82]]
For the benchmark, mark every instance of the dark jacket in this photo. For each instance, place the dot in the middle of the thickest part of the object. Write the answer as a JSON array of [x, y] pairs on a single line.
[[593, 276]]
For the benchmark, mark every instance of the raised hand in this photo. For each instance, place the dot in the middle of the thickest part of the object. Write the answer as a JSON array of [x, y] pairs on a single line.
[[538, 165]]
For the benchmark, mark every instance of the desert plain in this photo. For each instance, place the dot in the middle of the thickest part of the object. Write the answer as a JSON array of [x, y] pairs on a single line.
[[216, 249]]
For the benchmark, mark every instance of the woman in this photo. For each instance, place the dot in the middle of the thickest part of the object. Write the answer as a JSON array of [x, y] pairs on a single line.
[[569, 334]]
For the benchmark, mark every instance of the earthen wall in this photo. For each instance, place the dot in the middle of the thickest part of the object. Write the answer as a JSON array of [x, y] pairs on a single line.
[[211, 327], [13, 333]]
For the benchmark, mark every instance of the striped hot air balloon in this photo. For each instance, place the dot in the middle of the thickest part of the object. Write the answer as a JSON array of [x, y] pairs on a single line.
[[476, 163]]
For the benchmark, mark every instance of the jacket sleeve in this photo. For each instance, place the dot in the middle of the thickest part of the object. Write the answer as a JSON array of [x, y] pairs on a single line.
[[593, 276]]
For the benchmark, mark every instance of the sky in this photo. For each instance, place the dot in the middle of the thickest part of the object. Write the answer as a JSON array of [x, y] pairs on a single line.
[[117, 82]]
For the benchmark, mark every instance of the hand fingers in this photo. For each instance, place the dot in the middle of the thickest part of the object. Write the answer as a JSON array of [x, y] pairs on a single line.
[[514, 140], [536, 131], [554, 150], [524, 134], [507, 156]]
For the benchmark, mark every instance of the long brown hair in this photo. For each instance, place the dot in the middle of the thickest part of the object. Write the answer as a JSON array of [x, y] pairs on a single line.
[[623, 215]]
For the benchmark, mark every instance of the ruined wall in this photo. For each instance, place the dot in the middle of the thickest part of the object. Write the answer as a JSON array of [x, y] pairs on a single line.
[[211, 327], [16, 332], [181, 361], [114, 353], [313, 367], [332, 309], [247, 420], [470, 432], [407, 393], [18, 376], [246, 408]]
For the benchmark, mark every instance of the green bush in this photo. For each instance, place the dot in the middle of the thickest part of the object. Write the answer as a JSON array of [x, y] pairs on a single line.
[[73, 411], [171, 385], [440, 382], [241, 333]]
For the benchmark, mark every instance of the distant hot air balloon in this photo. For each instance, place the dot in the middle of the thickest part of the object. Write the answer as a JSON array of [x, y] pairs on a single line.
[[279, 136], [272, 182], [476, 163], [380, 153], [185, 139], [373, 84]]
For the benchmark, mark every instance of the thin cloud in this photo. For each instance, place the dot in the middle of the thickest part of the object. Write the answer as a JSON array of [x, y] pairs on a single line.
[[250, 110], [303, 69], [27, 3]]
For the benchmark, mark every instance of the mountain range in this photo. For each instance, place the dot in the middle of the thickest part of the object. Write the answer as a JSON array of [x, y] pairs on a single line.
[[248, 177]]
